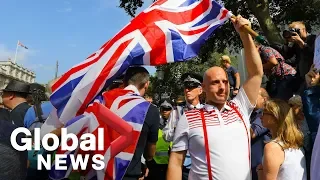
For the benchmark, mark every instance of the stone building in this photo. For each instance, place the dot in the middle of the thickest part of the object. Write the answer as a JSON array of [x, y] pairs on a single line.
[[10, 70]]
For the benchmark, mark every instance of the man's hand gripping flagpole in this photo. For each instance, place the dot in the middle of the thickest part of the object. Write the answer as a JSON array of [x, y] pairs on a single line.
[[250, 31]]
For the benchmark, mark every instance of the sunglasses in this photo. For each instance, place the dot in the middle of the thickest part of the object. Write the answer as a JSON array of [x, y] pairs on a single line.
[[165, 108], [191, 86]]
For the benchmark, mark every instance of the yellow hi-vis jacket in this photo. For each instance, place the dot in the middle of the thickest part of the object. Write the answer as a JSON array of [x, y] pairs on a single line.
[[162, 150]]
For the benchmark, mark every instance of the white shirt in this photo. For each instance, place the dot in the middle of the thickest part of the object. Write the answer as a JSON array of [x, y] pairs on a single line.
[[133, 88], [293, 166], [168, 130], [228, 140]]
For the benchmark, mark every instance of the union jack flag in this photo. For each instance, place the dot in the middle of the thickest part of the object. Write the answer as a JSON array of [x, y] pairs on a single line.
[[168, 31], [122, 118], [20, 44]]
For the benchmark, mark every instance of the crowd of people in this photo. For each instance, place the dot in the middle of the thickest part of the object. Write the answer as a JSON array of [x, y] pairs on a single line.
[[264, 129]]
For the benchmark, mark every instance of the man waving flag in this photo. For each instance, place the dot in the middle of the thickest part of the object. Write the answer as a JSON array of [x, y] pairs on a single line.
[[166, 32]]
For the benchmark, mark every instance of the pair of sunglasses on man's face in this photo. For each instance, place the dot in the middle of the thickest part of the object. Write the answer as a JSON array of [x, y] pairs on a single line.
[[165, 108], [191, 87]]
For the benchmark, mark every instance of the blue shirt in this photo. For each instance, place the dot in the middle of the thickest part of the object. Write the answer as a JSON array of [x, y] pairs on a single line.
[[257, 144], [30, 116]]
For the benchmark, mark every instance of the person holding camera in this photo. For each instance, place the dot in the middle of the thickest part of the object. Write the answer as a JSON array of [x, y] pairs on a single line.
[[299, 43]]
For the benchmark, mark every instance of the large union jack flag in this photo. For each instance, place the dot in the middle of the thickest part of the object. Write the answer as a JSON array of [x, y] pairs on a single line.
[[168, 31], [122, 117]]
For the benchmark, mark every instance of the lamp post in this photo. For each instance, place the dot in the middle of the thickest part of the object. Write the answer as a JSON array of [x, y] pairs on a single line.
[[160, 77]]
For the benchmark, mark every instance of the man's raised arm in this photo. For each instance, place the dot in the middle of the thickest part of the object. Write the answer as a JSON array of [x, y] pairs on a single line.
[[252, 58]]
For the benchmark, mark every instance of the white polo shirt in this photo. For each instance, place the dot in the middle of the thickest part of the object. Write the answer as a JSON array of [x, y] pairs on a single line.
[[228, 138]]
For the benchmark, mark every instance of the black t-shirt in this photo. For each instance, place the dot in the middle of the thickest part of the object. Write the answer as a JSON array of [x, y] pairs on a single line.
[[18, 113], [13, 163], [149, 134], [4, 114]]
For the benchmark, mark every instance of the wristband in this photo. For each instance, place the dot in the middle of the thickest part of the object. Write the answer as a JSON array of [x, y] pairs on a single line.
[[236, 89]]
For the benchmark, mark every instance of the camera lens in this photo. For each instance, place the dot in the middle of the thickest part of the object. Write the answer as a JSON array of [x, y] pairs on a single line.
[[286, 34]]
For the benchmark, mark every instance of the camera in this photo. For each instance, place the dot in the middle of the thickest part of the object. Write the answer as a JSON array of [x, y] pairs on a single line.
[[291, 32]]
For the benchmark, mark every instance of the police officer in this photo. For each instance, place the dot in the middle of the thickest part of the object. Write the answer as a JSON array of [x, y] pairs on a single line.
[[192, 91], [158, 169]]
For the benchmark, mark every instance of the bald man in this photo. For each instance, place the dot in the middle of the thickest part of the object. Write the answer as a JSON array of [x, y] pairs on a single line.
[[218, 135]]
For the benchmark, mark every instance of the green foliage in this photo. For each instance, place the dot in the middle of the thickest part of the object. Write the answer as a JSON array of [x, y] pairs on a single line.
[[266, 17], [172, 84], [281, 12]]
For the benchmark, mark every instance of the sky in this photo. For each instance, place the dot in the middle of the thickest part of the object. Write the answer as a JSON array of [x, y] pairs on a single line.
[[64, 30]]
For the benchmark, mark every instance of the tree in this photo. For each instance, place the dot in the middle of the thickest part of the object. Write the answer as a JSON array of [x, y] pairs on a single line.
[[172, 84], [266, 15]]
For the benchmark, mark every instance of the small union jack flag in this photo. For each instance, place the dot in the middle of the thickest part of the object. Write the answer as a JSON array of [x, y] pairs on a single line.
[[20, 44]]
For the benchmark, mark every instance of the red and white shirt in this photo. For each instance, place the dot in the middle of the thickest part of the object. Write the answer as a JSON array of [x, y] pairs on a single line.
[[228, 139]]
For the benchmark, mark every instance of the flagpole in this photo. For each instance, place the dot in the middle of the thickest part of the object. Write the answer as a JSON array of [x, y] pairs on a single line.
[[15, 57], [254, 34], [57, 67]]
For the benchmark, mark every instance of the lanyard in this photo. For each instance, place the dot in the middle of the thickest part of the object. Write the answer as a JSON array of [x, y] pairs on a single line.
[[206, 142]]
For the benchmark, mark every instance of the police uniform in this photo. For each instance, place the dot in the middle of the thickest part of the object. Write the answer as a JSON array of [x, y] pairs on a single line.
[[190, 81], [158, 169]]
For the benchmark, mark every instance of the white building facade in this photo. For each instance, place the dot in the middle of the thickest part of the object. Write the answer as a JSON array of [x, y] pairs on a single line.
[[10, 70]]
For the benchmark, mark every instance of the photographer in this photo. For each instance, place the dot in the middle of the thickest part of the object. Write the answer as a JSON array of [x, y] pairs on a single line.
[[299, 43], [34, 118]]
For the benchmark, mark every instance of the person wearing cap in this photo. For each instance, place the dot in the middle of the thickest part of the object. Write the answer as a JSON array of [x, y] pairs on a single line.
[[192, 91], [158, 169], [233, 75], [14, 97]]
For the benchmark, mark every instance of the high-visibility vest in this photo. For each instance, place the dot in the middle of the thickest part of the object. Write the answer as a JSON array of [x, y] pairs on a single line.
[[162, 150]]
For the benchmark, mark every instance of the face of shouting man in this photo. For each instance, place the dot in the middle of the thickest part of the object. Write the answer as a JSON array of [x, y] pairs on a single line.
[[216, 86]]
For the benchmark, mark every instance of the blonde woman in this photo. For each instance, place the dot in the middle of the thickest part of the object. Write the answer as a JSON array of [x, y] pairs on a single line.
[[283, 157], [296, 104]]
